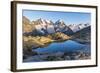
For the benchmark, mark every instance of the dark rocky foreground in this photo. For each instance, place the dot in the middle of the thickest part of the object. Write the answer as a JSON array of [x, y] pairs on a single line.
[[58, 56]]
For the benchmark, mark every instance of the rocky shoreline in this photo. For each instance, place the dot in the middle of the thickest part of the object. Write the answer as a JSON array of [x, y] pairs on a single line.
[[58, 56]]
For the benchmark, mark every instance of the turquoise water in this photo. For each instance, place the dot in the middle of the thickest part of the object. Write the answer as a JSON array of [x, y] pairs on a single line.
[[66, 46]]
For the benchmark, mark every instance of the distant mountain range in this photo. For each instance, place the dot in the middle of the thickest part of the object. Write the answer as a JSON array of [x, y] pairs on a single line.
[[44, 27]]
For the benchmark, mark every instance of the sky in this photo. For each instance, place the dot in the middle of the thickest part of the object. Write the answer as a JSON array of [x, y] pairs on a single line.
[[67, 17]]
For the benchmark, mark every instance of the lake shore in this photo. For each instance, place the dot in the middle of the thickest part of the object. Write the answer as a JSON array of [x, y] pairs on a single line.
[[58, 56]]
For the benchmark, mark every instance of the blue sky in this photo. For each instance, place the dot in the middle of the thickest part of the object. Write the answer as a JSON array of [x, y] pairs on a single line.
[[67, 17]]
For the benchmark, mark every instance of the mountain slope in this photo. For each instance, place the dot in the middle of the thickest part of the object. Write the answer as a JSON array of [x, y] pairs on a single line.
[[83, 35], [26, 25], [60, 26], [78, 27]]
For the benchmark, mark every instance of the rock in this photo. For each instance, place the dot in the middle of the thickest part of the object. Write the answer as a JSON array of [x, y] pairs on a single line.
[[67, 58], [58, 54], [28, 52], [53, 58], [33, 59], [26, 25]]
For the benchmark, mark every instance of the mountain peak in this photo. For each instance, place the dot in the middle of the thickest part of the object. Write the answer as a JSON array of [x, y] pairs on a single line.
[[60, 22]]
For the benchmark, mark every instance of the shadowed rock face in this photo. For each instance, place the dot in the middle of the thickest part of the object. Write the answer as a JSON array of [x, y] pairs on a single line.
[[83, 36]]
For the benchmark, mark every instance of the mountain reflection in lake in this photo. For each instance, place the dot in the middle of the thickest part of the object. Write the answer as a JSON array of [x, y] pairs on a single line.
[[56, 51], [61, 47]]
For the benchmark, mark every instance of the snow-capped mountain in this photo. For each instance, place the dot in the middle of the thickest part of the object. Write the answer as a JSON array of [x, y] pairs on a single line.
[[60, 26], [77, 27], [43, 27]]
